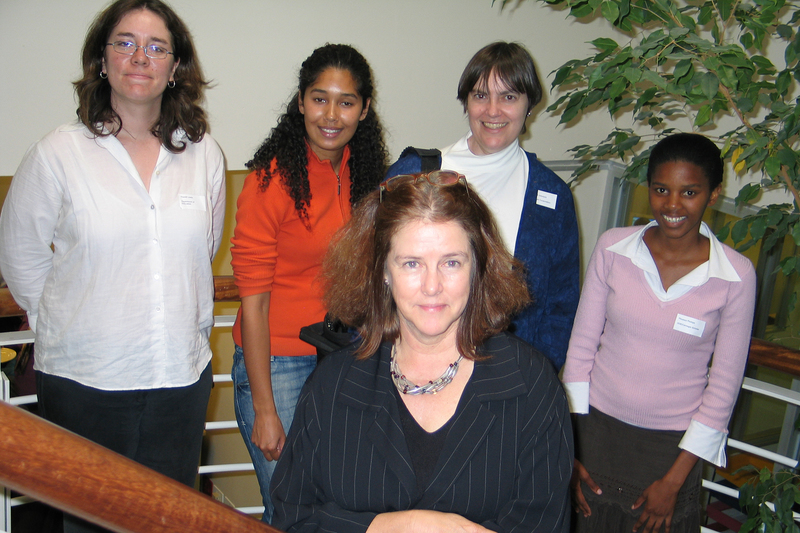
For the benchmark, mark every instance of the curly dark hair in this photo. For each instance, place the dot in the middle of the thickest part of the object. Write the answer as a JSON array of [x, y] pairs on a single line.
[[354, 268], [286, 144], [180, 105]]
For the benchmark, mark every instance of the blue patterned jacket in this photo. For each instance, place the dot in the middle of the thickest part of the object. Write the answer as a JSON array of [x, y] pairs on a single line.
[[547, 243]]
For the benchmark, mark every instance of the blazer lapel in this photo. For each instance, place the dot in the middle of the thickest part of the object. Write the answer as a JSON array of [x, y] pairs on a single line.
[[368, 387], [474, 419], [467, 435]]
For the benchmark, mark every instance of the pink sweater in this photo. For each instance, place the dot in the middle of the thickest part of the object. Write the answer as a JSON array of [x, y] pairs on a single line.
[[640, 369]]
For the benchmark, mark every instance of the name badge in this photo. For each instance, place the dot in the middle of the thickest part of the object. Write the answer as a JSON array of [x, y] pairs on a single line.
[[546, 199], [189, 201], [687, 324]]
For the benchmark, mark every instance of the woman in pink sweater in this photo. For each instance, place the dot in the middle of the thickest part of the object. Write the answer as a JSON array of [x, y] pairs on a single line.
[[658, 351]]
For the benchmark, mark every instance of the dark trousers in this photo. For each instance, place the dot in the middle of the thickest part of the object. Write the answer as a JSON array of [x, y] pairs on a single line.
[[159, 428]]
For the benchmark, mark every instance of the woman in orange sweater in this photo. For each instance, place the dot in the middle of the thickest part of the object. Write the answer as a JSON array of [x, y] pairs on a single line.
[[325, 154]]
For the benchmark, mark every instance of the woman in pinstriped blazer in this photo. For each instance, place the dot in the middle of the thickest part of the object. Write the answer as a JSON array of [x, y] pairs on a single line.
[[436, 420]]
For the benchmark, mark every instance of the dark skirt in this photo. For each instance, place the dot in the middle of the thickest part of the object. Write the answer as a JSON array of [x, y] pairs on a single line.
[[624, 460]]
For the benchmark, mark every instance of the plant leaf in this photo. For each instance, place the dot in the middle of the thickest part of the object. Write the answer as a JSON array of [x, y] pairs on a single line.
[[709, 83]]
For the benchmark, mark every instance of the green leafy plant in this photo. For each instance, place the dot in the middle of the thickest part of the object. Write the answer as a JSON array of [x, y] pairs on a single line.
[[768, 500], [696, 65]]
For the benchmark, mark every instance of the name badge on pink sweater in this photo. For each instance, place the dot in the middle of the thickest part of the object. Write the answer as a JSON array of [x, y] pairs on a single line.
[[687, 324]]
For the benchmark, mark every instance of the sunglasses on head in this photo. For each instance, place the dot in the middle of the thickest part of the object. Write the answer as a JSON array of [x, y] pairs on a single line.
[[442, 178]]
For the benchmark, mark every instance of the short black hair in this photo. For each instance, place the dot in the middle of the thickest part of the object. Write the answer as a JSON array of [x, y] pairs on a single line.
[[690, 148]]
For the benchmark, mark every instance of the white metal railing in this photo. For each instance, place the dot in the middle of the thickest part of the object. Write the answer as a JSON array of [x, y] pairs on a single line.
[[760, 387], [26, 337]]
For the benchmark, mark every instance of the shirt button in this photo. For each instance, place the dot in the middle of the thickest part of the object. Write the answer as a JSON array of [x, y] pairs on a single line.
[[157, 276], [158, 309], [152, 207]]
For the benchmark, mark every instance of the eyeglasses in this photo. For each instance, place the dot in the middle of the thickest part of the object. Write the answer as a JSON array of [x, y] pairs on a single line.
[[153, 51], [442, 178]]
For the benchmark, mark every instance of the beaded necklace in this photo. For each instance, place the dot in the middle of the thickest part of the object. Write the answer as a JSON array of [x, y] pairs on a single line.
[[432, 387]]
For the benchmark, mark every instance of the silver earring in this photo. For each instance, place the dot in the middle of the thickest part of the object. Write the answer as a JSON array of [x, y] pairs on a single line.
[[171, 84], [529, 113], [103, 75], [386, 282]]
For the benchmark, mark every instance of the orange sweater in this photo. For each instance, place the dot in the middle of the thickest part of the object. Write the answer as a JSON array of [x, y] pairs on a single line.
[[273, 251]]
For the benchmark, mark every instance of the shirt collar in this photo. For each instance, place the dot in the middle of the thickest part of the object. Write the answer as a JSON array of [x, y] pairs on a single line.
[[314, 158], [717, 266]]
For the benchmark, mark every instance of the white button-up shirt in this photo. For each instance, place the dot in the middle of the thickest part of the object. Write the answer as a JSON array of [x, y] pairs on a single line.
[[116, 280]]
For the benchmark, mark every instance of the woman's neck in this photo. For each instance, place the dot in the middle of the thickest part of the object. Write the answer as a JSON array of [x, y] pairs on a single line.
[[137, 120], [420, 357]]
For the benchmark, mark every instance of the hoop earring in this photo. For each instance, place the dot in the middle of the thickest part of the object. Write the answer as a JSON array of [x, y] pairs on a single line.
[[171, 84], [103, 75]]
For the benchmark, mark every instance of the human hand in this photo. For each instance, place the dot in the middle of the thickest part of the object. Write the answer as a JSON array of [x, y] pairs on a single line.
[[419, 521], [659, 499], [580, 474], [268, 435]]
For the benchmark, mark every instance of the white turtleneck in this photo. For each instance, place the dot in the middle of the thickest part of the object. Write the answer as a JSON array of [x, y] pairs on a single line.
[[500, 178]]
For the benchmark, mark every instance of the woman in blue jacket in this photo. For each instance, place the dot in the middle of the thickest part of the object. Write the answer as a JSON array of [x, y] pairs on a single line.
[[532, 206]]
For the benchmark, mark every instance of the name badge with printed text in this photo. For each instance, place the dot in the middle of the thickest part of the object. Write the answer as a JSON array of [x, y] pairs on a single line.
[[189, 201], [687, 324], [546, 199]]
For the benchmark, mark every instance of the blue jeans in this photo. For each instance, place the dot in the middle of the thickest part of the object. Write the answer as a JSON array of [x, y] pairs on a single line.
[[289, 374]]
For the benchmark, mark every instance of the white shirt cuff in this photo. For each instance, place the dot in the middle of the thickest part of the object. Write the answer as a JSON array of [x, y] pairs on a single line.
[[705, 442], [578, 397]]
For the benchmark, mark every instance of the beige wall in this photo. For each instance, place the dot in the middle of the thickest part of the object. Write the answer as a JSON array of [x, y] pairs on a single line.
[[252, 50]]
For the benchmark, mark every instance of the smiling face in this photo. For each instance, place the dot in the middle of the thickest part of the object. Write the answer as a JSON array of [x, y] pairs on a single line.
[[429, 271], [138, 79], [332, 109], [679, 194], [496, 116]]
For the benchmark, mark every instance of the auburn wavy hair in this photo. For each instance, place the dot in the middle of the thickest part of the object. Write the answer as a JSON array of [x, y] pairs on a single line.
[[353, 270], [286, 143]]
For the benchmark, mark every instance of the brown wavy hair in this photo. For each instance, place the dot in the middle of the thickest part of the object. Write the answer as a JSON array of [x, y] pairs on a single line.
[[353, 270], [180, 105]]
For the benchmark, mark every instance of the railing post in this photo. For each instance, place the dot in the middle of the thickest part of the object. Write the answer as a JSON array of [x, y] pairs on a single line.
[[5, 501]]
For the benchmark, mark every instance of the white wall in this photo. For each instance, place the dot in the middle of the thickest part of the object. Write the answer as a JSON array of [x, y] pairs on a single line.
[[252, 50]]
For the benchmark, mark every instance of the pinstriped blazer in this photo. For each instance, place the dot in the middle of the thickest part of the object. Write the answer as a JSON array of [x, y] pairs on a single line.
[[506, 461]]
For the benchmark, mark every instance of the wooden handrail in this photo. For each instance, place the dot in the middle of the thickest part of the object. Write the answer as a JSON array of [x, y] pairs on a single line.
[[775, 356], [762, 353], [225, 290], [84, 479], [8, 307]]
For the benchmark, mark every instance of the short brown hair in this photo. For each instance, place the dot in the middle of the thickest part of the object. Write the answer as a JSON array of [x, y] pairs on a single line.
[[512, 64], [180, 105], [353, 269]]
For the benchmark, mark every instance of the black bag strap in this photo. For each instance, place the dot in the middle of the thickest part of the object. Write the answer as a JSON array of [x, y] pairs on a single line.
[[431, 157]]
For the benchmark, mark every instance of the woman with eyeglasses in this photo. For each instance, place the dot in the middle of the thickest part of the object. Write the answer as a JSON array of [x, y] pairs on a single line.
[[533, 207], [106, 240], [436, 420], [325, 154]]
